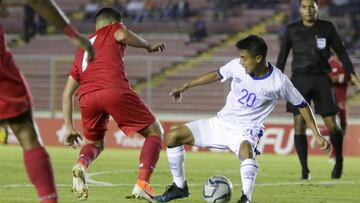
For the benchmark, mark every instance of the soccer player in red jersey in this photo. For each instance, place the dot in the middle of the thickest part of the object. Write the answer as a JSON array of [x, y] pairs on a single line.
[[16, 105], [103, 90]]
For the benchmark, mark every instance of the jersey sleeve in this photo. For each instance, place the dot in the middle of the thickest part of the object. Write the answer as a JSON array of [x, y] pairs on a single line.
[[291, 94], [226, 71]]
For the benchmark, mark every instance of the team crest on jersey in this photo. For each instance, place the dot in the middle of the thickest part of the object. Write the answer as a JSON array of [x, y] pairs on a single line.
[[266, 93], [321, 43]]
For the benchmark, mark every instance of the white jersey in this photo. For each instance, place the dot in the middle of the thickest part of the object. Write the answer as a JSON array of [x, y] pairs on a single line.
[[251, 99]]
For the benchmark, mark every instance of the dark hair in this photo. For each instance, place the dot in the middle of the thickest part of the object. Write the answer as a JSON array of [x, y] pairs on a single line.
[[316, 1], [109, 13], [254, 44]]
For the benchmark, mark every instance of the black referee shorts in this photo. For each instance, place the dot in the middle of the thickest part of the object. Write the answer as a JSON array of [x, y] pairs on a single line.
[[317, 88]]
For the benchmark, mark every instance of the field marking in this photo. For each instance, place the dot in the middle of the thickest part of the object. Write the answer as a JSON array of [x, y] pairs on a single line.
[[94, 183], [107, 184]]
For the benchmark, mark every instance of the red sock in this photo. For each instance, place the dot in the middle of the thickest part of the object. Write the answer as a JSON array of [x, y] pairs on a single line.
[[88, 153], [38, 168], [149, 156]]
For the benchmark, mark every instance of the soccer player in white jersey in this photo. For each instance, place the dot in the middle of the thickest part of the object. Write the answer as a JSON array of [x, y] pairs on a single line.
[[255, 88]]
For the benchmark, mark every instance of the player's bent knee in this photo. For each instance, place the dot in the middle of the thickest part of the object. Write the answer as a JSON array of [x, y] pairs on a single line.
[[171, 138], [246, 151]]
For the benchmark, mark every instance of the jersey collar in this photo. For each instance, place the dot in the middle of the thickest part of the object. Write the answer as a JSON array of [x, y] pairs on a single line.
[[271, 68]]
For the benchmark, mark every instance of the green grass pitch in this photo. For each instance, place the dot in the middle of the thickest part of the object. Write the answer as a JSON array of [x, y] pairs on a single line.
[[113, 174]]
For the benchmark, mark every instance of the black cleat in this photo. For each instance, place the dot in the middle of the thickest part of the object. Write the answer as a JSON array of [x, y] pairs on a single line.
[[243, 199], [337, 171], [173, 192], [305, 175]]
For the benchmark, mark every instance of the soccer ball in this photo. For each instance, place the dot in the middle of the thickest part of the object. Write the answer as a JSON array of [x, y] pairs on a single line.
[[217, 189]]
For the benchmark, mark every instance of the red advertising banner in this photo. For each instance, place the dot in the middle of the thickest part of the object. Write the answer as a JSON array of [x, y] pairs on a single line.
[[277, 138]]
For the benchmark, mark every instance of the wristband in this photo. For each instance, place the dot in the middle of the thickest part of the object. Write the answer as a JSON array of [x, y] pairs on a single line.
[[70, 31]]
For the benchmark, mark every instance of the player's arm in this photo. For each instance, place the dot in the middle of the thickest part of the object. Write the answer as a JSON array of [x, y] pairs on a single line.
[[71, 134], [284, 51], [200, 80], [129, 38], [53, 14], [309, 117]]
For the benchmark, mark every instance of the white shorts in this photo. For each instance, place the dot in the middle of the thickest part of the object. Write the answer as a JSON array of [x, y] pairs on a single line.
[[212, 133]]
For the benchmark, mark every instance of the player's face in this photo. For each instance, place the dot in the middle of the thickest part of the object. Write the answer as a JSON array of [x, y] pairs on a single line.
[[308, 10], [247, 60]]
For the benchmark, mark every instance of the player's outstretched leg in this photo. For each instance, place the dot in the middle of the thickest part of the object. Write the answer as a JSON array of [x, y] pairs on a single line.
[[176, 154], [179, 188], [87, 154], [248, 171]]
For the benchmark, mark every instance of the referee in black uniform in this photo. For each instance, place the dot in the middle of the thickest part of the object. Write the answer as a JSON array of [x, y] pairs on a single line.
[[310, 40]]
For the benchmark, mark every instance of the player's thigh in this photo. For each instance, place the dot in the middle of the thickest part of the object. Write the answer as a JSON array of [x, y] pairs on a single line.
[[180, 135], [129, 112], [324, 97], [23, 128], [243, 141], [94, 119], [208, 133], [154, 129]]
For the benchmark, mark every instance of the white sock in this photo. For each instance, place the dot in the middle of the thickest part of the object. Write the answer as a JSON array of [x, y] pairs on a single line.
[[248, 171], [176, 157]]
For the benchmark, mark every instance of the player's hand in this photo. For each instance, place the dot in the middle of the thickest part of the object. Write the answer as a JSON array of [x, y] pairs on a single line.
[[83, 42], [156, 47], [176, 92], [323, 144], [73, 138]]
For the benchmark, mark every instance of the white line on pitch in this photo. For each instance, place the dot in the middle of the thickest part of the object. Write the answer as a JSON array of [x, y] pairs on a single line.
[[197, 184]]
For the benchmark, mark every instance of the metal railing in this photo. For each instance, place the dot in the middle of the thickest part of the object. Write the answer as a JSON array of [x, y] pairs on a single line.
[[58, 66]]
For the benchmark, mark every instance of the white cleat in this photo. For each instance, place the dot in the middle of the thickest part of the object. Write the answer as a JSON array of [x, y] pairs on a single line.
[[79, 186]]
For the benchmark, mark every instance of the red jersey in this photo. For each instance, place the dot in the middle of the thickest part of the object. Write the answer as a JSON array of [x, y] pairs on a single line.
[[107, 70], [14, 94], [342, 84]]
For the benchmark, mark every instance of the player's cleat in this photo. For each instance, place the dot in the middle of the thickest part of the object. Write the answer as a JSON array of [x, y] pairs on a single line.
[[142, 190], [79, 186], [305, 175], [337, 171], [243, 199], [3, 135], [173, 192]]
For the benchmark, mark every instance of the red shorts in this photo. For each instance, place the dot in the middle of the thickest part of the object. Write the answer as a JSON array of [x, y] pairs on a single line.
[[128, 110], [15, 97]]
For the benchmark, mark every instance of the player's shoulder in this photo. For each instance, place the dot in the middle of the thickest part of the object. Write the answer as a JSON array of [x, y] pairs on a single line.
[[235, 63], [277, 74]]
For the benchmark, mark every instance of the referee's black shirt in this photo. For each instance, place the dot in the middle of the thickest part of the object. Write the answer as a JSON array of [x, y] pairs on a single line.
[[311, 48]]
